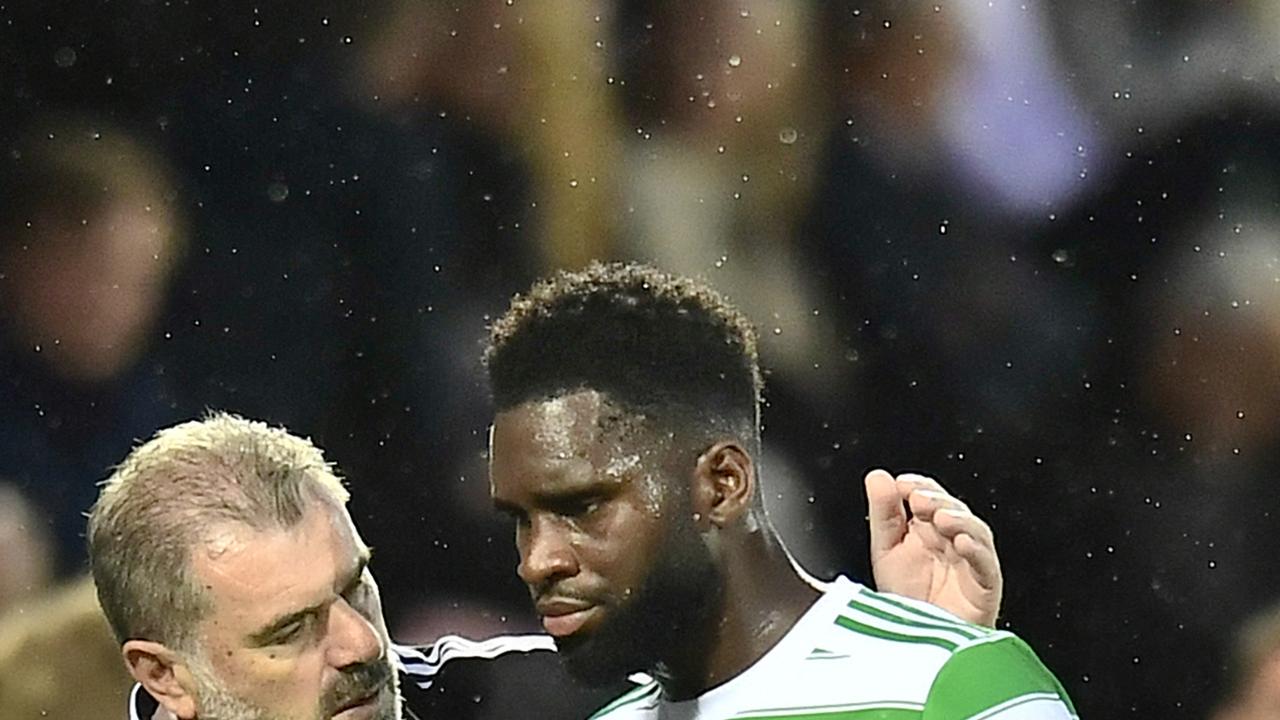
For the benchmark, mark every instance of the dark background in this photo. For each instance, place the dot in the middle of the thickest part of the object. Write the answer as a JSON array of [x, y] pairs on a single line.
[[1030, 249]]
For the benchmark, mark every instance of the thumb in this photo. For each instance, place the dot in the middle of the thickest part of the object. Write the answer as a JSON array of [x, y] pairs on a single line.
[[886, 515]]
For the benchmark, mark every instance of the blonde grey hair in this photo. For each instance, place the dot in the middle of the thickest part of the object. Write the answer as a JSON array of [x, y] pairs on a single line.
[[166, 495]]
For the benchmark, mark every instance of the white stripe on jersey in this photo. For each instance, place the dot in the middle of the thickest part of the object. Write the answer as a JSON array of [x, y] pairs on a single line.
[[422, 667], [133, 703], [1032, 706]]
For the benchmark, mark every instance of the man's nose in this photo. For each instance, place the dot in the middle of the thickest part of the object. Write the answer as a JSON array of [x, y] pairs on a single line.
[[546, 552], [353, 638]]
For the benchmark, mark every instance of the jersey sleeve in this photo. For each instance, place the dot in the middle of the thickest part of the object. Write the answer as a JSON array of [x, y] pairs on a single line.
[[494, 679], [997, 677]]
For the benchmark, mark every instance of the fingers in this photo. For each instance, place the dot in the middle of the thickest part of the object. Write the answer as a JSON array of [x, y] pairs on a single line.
[[939, 518], [924, 503], [952, 521], [982, 560], [972, 540], [886, 514]]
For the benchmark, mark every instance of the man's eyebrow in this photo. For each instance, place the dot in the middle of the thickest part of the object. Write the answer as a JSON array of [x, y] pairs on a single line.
[[558, 496], [266, 635]]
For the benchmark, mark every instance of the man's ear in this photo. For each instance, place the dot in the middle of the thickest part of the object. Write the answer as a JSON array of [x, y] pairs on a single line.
[[162, 673], [724, 484]]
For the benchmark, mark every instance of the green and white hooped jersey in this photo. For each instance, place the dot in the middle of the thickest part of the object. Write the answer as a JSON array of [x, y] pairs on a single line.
[[862, 655]]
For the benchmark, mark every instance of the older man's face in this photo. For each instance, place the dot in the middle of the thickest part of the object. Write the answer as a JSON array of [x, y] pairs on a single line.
[[296, 630]]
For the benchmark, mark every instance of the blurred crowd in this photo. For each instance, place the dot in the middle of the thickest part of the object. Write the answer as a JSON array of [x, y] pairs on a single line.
[[1030, 248]]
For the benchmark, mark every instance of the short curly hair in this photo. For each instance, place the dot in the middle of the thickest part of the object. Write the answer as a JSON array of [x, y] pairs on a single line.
[[654, 343]]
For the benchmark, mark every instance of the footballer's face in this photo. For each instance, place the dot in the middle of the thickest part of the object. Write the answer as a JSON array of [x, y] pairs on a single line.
[[608, 545]]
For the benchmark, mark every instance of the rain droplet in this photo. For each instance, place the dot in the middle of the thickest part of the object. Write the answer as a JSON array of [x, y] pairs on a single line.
[[64, 57], [1061, 256], [788, 136], [277, 192], [735, 60]]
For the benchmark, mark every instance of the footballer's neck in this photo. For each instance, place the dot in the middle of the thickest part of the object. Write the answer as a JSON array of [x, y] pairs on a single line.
[[763, 598]]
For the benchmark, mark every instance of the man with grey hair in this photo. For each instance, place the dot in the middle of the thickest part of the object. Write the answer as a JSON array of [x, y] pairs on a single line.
[[235, 581], [238, 587]]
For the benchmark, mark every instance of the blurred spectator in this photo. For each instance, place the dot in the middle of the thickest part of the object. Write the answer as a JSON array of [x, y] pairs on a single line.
[[89, 236], [25, 562], [1254, 690], [58, 658], [1144, 67]]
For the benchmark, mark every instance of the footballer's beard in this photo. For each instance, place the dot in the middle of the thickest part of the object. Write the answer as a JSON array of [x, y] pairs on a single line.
[[219, 703], [663, 624]]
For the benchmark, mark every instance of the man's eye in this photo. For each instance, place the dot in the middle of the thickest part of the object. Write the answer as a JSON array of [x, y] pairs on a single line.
[[580, 508], [290, 632]]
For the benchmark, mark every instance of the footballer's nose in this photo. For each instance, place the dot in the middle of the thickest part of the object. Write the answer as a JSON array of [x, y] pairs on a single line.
[[546, 552]]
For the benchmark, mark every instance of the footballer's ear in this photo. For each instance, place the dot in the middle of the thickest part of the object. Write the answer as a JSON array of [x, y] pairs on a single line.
[[163, 674], [724, 484]]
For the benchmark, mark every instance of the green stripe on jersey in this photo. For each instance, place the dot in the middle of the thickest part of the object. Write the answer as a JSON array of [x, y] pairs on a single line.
[[964, 633], [855, 626], [981, 676], [924, 614]]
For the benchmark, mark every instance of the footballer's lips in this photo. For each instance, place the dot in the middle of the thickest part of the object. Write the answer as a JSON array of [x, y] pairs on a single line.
[[562, 617]]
